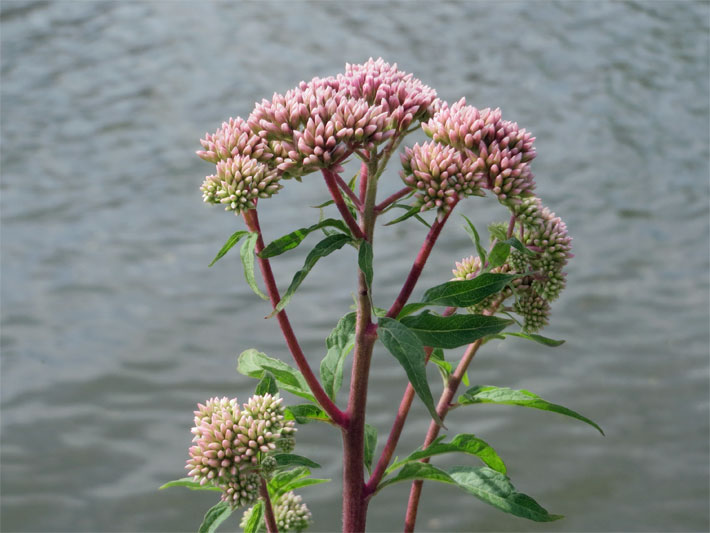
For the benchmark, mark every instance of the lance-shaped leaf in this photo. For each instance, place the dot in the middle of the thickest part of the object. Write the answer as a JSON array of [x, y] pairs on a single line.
[[467, 292], [234, 239], [496, 489], [411, 212], [214, 517], [537, 338], [499, 253], [523, 398], [293, 239], [287, 480], [322, 249], [188, 483], [255, 524], [409, 351], [453, 331], [339, 343], [417, 470], [463, 443], [256, 364], [306, 412], [471, 230], [370, 445], [291, 459], [247, 254], [364, 261], [267, 385]]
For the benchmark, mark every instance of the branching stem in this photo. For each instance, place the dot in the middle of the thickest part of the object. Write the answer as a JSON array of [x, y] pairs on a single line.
[[269, 517]]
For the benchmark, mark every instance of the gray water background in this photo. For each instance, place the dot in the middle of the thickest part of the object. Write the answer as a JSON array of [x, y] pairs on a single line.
[[113, 327]]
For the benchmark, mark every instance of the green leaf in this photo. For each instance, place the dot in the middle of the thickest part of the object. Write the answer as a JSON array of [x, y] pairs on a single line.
[[496, 489], [214, 517], [499, 254], [187, 482], [515, 243], [452, 331], [255, 524], [234, 239], [537, 338], [409, 351], [445, 368], [322, 249], [498, 230], [471, 230], [463, 443], [408, 309], [293, 239], [255, 364], [288, 480], [304, 413], [417, 470], [291, 459], [364, 261], [411, 212], [370, 445], [247, 255], [523, 398], [267, 385], [467, 292], [339, 343]]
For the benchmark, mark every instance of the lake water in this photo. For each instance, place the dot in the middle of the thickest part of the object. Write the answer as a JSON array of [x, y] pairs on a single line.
[[113, 327]]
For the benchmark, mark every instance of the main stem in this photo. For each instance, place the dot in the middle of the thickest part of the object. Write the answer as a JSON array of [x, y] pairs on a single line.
[[269, 518], [354, 500]]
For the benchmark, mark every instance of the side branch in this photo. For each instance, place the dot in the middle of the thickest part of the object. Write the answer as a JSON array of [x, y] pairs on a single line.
[[393, 198], [269, 518], [418, 266], [347, 190], [332, 184], [340, 418]]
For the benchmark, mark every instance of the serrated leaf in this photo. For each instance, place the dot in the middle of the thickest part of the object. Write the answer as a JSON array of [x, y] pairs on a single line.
[[256, 524], [255, 364], [499, 254], [267, 385], [234, 239], [339, 343], [496, 489], [291, 459], [370, 445], [364, 261], [293, 239], [417, 470], [214, 517], [188, 483], [537, 338], [322, 249], [304, 413], [467, 292], [453, 331], [523, 398], [471, 230], [463, 443], [409, 351]]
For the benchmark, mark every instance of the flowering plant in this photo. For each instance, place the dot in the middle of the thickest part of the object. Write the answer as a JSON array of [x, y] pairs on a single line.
[[317, 127]]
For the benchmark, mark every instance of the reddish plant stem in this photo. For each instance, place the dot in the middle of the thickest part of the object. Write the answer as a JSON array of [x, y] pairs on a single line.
[[391, 199], [269, 517], [418, 265], [442, 409], [511, 227], [340, 204], [396, 431], [347, 190], [339, 417], [363, 181], [354, 501]]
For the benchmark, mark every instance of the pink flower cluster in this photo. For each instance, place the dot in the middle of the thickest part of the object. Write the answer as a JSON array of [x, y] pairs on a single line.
[[315, 125], [497, 151], [230, 443]]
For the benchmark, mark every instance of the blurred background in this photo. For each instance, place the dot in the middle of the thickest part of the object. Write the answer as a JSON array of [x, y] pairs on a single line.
[[113, 327]]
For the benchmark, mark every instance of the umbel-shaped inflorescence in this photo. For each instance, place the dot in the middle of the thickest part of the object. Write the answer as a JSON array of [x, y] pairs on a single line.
[[316, 125], [232, 446], [290, 512]]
